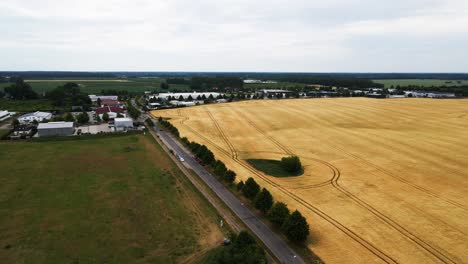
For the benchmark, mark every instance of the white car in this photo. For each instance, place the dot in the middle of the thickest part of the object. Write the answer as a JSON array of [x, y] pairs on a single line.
[[181, 159]]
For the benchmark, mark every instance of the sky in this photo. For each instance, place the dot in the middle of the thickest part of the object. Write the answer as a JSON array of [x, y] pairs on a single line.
[[240, 35]]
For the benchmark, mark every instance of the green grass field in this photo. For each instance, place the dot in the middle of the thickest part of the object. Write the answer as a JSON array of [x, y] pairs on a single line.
[[27, 105], [94, 86], [271, 167], [421, 82], [99, 200]]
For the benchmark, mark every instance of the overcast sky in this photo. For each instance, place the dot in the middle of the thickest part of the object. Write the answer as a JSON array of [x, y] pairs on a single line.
[[235, 35]]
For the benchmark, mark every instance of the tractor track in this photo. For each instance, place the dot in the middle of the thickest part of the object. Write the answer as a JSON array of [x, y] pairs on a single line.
[[334, 181], [348, 232], [391, 174]]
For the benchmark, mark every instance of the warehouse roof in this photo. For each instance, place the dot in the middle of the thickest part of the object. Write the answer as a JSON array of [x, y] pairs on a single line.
[[50, 125], [123, 119]]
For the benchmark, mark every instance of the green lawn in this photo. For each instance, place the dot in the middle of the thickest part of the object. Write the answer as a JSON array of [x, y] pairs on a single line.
[[98, 200], [421, 82], [271, 167], [94, 86]]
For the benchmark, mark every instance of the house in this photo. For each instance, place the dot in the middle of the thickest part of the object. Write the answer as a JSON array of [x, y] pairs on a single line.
[[55, 129], [94, 98], [112, 103], [112, 112], [122, 124], [22, 131], [4, 115], [36, 116]]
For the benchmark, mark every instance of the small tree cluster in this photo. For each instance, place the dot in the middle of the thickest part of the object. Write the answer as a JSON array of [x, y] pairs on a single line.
[[243, 249], [291, 164], [134, 113], [149, 122]]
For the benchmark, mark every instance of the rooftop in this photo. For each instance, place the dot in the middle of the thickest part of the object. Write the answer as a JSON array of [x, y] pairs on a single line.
[[55, 125]]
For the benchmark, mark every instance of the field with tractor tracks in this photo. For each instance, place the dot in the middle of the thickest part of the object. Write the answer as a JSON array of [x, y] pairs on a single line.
[[384, 180]]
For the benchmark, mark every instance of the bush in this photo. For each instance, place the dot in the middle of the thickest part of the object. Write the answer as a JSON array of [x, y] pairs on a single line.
[[251, 188], [278, 213], [243, 249], [149, 122], [296, 227], [291, 164]]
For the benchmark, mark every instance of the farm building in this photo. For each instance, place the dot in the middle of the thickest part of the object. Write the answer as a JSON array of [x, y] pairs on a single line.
[[4, 115], [112, 103], [94, 98], [22, 131], [55, 129], [113, 112], [185, 96], [182, 103], [154, 105], [429, 94], [36, 116], [122, 124], [265, 92]]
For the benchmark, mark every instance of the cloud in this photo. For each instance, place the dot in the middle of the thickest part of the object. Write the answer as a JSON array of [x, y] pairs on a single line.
[[275, 35]]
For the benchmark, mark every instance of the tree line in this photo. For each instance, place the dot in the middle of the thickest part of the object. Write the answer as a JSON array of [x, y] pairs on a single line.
[[293, 225]]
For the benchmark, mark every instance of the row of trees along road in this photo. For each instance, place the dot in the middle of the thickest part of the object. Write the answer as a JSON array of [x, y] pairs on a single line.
[[293, 225]]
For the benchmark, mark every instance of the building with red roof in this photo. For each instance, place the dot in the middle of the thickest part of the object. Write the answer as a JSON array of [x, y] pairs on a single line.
[[112, 104], [113, 112]]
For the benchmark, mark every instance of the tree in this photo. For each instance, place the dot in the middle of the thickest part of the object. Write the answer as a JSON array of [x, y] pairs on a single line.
[[291, 164], [243, 249], [240, 185], [181, 98], [150, 123], [189, 98], [251, 188], [220, 169], [278, 213], [296, 227], [82, 118], [105, 117], [164, 86], [69, 117], [15, 123], [263, 200], [20, 91], [120, 115], [98, 101], [98, 118], [230, 176]]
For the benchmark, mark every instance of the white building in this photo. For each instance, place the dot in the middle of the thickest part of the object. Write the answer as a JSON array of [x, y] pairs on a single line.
[[94, 98], [182, 103], [38, 116], [55, 129], [122, 124], [194, 95], [4, 115]]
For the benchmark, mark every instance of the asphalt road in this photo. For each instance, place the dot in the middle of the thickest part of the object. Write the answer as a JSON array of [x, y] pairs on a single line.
[[274, 243]]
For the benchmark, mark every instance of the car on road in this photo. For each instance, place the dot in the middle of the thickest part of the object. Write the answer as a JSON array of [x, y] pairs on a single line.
[[181, 159]]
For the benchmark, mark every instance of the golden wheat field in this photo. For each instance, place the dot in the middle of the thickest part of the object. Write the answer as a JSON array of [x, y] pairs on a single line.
[[384, 180]]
